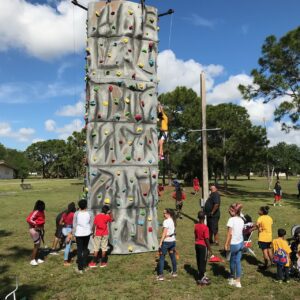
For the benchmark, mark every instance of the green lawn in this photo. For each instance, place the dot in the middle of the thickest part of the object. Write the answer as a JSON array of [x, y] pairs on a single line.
[[133, 276]]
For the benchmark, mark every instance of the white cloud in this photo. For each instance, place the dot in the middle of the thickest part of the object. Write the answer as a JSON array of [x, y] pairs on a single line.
[[75, 110], [22, 92], [174, 72], [21, 135], [197, 20], [50, 125], [43, 31], [37, 140], [276, 135], [228, 91], [65, 131]]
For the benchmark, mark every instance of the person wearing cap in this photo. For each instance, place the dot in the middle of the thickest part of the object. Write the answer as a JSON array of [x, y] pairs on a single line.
[[212, 212]]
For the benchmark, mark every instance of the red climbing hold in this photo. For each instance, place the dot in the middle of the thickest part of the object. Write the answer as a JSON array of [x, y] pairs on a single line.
[[138, 117], [110, 88]]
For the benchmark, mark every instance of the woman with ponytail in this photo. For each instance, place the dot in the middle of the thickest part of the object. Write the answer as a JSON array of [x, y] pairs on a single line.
[[264, 225], [167, 243], [235, 243]]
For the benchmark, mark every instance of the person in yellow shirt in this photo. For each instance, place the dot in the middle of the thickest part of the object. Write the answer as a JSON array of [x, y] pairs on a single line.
[[163, 132], [280, 242], [264, 225]]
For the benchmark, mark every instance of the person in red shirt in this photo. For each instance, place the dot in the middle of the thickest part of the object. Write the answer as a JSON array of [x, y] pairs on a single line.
[[67, 222], [100, 236], [36, 221], [196, 185], [201, 246]]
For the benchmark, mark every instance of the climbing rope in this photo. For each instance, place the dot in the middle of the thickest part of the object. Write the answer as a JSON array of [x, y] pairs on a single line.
[[171, 28]]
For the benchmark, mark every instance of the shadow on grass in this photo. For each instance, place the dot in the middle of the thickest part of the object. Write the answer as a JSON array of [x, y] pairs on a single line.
[[192, 271], [219, 270], [268, 273], [189, 217], [26, 291], [251, 260], [4, 233]]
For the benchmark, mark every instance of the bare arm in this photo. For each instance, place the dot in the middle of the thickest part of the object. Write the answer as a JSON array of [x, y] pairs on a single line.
[[164, 235], [228, 238], [215, 208], [208, 246]]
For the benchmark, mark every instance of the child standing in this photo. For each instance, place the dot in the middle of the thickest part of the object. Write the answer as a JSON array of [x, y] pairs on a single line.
[[280, 244], [100, 234], [201, 246], [67, 222], [277, 193], [36, 221]]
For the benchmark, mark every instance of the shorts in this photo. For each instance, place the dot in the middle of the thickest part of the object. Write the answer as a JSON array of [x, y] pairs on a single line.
[[179, 206], [264, 245], [58, 233], [100, 242], [163, 135], [35, 235], [213, 224], [277, 197]]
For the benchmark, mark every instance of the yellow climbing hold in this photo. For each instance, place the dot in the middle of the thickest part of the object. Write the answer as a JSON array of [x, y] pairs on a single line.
[[130, 248], [125, 40], [149, 219], [141, 86], [141, 65], [86, 189], [94, 158], [119, 73], [105, 103], [127, 100], [97, 13], [94, 73], [109, 54], [139, 129], [130, 12], [107, 201], [129, 143], [130, 198], [106, 132], [118, 173]]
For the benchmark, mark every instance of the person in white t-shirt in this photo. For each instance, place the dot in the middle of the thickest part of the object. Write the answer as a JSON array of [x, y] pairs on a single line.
[[234, 243], [167, 243], [82, 229]]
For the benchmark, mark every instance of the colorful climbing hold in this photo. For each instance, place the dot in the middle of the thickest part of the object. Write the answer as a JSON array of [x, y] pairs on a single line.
[[150, 229], [97, 13], [99, 196], [128, 157], [142, 103], [118, 173], [129, 142], [139, 129], [106, 132], [125, 40], [99, 116], [130, 198], [130, 27], [133, 76], [130, 248], [109, 54], [138, 117], [127, 100], [107, 73], [119, 73], [112, 13], [110, 88], [105, 103], [116, 101], [141, 86], [141, 65], [144, 50], [149, 218], [151, 20], [96, 88], [107, 201], [151, 62], [130, 12], [117, 117]]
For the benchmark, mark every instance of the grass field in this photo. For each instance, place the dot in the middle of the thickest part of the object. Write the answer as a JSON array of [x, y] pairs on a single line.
[[133, 276]]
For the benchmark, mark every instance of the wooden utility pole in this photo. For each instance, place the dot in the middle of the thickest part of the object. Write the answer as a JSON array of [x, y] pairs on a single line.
[[204, 138]]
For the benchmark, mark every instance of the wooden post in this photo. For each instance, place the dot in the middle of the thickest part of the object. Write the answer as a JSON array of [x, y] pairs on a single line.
[[204, 138]]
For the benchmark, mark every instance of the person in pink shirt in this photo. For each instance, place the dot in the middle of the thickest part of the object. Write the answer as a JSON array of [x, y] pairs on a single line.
[[67, 222], [36, 221], [202, 247], [196, 185], [100, 236]]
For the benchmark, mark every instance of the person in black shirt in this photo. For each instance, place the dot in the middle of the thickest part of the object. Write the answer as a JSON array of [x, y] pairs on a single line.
[[212, 212]]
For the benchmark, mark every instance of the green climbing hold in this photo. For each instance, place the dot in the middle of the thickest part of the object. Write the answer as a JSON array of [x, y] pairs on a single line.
[[96, 88], [128, 157]]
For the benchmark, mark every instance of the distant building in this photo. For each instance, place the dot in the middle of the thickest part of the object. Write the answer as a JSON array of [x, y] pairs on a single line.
[[6, 171]]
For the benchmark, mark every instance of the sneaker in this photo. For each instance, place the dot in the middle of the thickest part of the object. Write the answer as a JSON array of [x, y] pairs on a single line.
[[280, 204], [160, 278], [274, 204], [53, 253], [40, 261], [78, 271], [92, 265], [203, 282], [287, 281], [278, 281], [231, 281], [237, 284], [34, 263], [174, 274], [103, 265], [162, 157]]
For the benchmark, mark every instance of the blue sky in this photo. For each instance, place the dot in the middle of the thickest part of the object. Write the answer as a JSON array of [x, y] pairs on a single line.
[[42, 59]]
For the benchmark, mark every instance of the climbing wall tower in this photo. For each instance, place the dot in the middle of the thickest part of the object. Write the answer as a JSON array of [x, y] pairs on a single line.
[[121, 100]]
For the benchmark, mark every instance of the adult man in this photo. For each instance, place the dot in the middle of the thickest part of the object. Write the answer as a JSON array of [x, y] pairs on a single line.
[[212, 212]]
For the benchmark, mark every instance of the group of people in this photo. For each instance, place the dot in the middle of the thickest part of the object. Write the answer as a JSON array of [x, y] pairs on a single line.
[[72, 224], [79, 224]]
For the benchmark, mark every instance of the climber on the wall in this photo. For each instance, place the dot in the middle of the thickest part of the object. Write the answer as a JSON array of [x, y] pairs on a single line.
[[163, 132]]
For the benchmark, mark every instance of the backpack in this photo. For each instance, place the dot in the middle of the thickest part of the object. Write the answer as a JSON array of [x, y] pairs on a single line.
[[280, 257]]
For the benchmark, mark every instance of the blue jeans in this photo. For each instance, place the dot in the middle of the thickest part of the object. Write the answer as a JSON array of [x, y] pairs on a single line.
[[66, 231], [235, 260], [167, 246]]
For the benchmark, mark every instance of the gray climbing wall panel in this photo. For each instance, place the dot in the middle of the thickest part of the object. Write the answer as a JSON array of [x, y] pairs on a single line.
[[121, 103]]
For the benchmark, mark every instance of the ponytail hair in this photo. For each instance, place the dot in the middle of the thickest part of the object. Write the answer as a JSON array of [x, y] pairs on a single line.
[[171, 212], [264, 209], [71, 208], [236, 208]]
